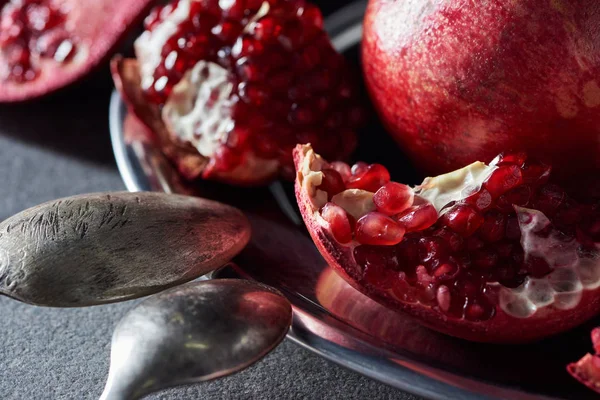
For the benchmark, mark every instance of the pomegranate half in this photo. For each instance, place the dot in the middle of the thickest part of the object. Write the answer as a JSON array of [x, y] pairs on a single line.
[[489, 253], [230, 87], [457, 81], [48, 44]]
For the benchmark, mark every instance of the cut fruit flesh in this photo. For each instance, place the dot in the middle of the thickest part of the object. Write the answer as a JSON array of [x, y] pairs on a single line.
[[468, 267]]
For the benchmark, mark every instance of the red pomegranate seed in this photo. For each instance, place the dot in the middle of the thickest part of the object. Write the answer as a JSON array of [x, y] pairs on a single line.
[[332, 183], [550, 197], [536, 267], [338, 221], [342, 168], [503, 179], [371, 178], [493, 227], [517, 159], [484, 259], [393, 198], [536, 173], [478, 311], [378, 229], [443, 297], [446, 272], [480, 199], [360, 167], [454, 240], [418, 218], [433, 251], [517, 197], [463, 219], [474, 243]]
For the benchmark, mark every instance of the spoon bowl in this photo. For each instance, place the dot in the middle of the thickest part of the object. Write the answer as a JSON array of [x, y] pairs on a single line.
[[194, 333], [106, 247]]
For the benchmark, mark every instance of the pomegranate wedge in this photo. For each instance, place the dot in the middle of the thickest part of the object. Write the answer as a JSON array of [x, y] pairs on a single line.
[[489, 253], [230, 87], [48, 44]]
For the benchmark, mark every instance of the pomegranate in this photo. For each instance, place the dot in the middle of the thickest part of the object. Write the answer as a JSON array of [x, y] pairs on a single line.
[[587, 370], [457, 81], [489, 253], [48, 44], [230, 87]]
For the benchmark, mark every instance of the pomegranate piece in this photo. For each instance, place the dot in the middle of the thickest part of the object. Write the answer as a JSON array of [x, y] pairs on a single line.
[[587, 370], [238, 84], [496, 273], [48, 44]]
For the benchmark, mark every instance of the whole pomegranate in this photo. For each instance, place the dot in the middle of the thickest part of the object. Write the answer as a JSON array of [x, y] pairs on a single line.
[[230, 87], [490, 253], [458, 80]]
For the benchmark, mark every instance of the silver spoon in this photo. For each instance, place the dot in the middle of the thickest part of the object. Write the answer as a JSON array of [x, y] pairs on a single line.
[[106, 247], [194, 333]]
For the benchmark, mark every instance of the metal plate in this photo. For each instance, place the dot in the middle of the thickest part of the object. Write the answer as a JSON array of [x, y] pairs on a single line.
[[334, 320]]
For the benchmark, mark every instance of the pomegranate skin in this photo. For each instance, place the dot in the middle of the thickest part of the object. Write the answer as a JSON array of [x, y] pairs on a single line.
[[501, 328], [456, 81]]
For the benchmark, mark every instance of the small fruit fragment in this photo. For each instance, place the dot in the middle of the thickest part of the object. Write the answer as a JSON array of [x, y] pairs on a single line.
[[393, 198], [338, 219], [587, 370], [378, 230]]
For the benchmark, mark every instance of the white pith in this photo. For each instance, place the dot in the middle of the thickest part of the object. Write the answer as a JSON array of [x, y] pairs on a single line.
[[198, 110], [563, 288]]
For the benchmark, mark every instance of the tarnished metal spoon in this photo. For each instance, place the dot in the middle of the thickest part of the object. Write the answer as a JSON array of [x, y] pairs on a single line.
[[194, 333], [106, 247]]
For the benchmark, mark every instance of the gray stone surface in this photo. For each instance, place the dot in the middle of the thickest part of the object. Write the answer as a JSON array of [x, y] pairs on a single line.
[[59, 147]]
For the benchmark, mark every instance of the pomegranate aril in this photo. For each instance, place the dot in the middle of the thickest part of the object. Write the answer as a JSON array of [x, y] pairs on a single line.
[[443, 297], [549, 198], [359, 168], [342, 168], [378, 229], [370, 179], [433, 251], [338, 221], [30, 32], [536, 173], [536, 267], [493, 227], [332, 183], [484, 259], [517, 197], [418, 218], [478, 311], [513, 230], [503, 179], [463, 219], [393, 198], [517, 159], [454, 241], [446, 271], [480, 199]]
